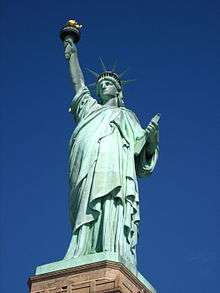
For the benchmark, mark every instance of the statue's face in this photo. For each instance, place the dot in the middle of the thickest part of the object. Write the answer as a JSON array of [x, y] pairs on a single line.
[[107, 90]]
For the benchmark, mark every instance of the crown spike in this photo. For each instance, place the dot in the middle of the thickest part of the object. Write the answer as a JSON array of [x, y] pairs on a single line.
[[92, 84], [123, 72], [114, 66], [127, 81], [103, 65], [93, 72]]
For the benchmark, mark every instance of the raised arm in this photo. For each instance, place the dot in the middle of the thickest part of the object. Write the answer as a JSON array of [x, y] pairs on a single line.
[[76, 74]]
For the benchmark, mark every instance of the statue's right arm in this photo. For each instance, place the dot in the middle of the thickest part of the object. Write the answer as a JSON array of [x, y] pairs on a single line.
[[75, 70]]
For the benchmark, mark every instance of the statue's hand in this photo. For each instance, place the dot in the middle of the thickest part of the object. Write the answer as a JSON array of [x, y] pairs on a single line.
[[152, 131], [69, 47]]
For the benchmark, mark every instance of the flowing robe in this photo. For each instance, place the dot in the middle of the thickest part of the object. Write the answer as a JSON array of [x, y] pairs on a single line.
[[107, 153]]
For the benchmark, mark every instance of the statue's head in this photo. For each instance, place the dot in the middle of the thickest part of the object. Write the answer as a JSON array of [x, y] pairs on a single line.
[[108, 86]]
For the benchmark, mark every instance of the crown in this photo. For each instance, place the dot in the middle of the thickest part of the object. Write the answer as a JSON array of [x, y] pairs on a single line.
[[109, 74]]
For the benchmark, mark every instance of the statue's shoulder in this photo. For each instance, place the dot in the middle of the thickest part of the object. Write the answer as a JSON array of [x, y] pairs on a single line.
[[131, 114]]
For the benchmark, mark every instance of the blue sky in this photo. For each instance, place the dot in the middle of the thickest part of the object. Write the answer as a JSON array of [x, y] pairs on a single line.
[[173, 50]]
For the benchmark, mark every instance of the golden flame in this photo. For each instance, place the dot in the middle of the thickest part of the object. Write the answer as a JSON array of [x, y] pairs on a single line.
[[74, 23]]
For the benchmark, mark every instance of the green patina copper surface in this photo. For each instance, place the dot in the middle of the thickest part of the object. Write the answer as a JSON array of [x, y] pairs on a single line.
[[108, 150]]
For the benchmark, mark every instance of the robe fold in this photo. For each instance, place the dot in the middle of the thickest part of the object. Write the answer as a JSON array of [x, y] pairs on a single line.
[[107, 153]]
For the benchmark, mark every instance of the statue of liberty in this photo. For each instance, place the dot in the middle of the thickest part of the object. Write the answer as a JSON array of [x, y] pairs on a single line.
[[108, 151]]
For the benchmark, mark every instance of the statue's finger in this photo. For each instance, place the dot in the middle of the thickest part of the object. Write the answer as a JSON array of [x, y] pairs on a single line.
[[155, 124], [150, 127]]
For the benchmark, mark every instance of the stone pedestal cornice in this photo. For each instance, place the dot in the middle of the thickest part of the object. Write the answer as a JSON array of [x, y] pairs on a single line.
[[100, 277]]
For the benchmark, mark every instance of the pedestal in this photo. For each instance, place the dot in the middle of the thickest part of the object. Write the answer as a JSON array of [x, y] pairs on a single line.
[[103, 276]]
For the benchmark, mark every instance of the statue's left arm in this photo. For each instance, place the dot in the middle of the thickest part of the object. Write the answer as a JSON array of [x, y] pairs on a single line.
[[148, 154]]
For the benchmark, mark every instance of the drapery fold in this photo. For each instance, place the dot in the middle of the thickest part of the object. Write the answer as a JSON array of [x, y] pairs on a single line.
[[107, 153]]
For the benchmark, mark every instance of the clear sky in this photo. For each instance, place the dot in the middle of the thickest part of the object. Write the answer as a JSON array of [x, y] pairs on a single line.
[[173, 50]]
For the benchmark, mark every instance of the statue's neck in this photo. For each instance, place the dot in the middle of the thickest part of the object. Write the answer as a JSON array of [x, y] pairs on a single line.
[[112, 102]]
